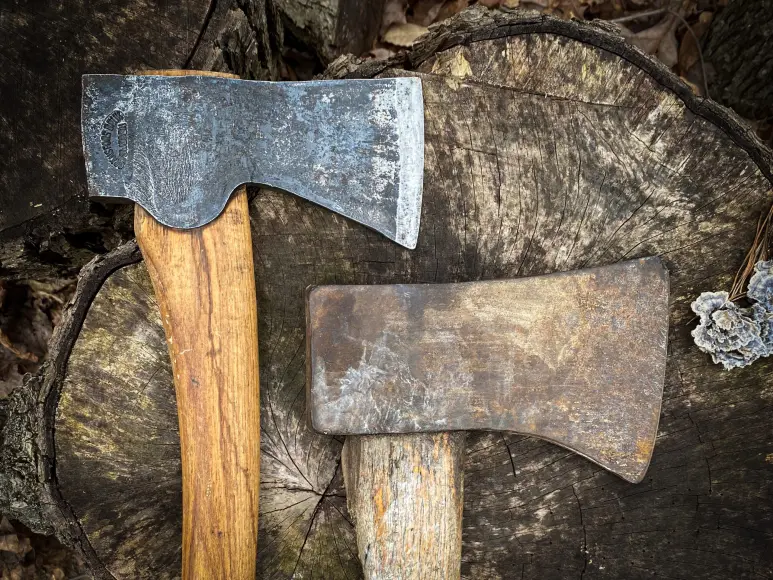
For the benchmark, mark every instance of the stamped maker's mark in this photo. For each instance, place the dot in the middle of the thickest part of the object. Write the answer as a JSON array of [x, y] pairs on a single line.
[[115, 138]]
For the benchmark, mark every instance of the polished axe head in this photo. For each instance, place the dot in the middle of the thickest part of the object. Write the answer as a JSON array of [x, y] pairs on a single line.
[[576, 358], [180, 145]]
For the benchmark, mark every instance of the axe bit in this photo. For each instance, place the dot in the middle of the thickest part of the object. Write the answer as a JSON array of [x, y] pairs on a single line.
[[178, 143], [576, 358]]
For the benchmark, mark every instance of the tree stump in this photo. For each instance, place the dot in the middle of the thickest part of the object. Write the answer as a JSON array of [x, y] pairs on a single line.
[[550, 145]]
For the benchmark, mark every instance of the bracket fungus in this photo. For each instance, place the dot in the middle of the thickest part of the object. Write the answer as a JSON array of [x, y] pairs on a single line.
[[736, 336]]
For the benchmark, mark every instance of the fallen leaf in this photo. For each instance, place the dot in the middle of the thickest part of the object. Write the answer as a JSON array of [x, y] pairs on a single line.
[[688, 50], [425, 11], [16, 574], [403, 34], [380, 53], [18, 352], [648, 39], [695, 88], [51, 560], [5, 526], [573, 8], [394, 13], [511, 3], [489, 3], [668, 49], [9, 543], [451, 7], [25, 546], [659, 39]]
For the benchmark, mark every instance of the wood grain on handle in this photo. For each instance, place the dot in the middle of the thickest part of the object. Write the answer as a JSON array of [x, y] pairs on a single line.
[[205, 287], [406, 493]]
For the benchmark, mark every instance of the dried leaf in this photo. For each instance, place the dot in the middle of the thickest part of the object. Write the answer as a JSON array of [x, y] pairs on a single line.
[[17, 351], [9, 543], [659, 39], [649, 39], [451, 7], [511, 3], [403, 34], [668, 49], [25, 546], [688, 50], [573, 8], [5, 526], [394, 13], [381, 53], [51, 560], [697, 89], [489, 3], [425, 12]]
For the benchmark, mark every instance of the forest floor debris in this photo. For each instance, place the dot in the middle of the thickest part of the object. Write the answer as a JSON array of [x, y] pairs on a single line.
[[672, 31], [28, 556]]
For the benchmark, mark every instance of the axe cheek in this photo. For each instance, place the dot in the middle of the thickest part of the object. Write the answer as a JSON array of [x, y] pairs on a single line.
[[180, 145], [576, 358]]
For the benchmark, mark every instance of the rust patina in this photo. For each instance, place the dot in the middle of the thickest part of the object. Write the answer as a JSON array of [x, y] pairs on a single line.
[[577, 358]]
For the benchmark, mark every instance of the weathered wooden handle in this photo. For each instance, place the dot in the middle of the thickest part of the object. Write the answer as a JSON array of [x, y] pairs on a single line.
[[205, 287], [405, 493]]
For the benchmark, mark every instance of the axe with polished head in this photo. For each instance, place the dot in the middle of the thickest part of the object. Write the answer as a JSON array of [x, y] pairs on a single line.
[[576, 358], [178, 146]]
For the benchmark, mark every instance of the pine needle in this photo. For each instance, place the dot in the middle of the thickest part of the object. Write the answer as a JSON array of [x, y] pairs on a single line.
[[758, 251]]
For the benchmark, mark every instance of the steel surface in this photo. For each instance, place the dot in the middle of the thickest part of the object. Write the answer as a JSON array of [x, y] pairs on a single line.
[[180, 145], [577, 358]]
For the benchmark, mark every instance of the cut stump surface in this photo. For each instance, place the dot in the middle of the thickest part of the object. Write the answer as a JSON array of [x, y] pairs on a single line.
[[550, 146]]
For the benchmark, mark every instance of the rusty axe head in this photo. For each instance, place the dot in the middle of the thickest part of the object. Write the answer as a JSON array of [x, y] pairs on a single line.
[[180, 145], [577, 358]]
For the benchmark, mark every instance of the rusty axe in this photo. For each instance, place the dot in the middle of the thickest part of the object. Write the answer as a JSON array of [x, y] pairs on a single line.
[[576, 358], [178, 144]]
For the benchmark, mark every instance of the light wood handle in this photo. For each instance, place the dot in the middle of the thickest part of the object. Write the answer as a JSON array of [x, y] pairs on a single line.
[[405, 493], [205, 287]]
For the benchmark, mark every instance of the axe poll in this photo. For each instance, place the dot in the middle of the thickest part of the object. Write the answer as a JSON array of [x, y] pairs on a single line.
[[178, 143], [576, 358]]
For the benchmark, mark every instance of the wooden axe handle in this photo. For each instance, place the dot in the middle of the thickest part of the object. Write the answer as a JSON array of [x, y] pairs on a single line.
[[205, 287], [405, 493]]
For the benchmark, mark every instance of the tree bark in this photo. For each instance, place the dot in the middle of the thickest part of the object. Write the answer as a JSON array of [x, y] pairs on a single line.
[[333, 27], [550, 145], [740, 49]]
